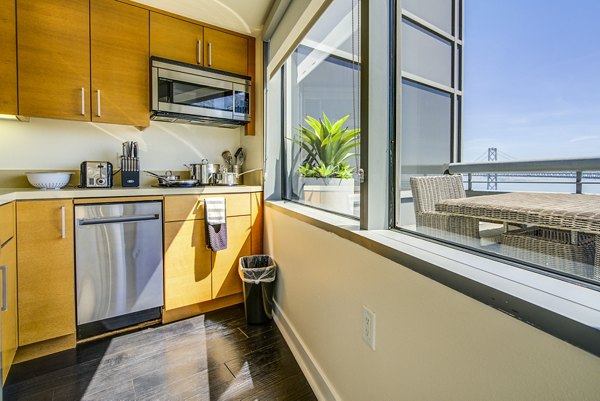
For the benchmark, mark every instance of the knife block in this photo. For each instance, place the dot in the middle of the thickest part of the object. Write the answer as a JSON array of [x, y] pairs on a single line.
[[130, 178]]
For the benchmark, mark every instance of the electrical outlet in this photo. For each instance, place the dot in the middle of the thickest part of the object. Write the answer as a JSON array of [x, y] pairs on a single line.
[[368, 327]]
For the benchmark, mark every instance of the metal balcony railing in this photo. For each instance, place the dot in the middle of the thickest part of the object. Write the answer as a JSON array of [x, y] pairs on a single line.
[[571, 171]]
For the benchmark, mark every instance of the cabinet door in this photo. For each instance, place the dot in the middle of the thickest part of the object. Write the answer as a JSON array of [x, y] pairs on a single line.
[[175, 39], [8, 262], [257, 223], [46, 274], [120, 63], [225, 276], [7, 222], [187, 264], [8, 61], [54, 58], [188, 207], [226, 52]]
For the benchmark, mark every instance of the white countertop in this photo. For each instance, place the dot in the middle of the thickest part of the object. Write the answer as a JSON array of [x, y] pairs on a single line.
[[12, 194]]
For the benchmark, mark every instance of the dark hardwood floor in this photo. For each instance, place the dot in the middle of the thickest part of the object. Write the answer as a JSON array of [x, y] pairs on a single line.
[[216, 356]]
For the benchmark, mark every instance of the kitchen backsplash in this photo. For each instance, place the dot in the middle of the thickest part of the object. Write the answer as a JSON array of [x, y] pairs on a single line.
[[45, 144]]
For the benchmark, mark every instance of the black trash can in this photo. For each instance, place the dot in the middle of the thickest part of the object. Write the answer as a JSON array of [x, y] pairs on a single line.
[[258, 274]]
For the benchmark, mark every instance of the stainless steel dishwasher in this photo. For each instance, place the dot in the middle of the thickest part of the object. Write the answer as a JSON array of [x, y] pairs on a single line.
[[119, 265]]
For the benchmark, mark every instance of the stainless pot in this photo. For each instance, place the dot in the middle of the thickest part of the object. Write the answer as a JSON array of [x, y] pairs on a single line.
[[227, 178], [234, 177], [195, 171], [210, 173], [237, 172]]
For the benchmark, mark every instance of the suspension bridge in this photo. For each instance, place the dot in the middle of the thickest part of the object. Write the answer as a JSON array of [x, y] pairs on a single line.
[[491, 155]]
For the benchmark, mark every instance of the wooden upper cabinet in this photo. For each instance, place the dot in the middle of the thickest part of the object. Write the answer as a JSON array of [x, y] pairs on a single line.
[[225, 51], [8, 61], [184, 41], [175, 39], [120, 63], [54, 58], [46, 274]]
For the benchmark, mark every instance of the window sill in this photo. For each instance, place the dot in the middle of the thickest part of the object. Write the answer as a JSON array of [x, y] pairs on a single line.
[[561, 308]]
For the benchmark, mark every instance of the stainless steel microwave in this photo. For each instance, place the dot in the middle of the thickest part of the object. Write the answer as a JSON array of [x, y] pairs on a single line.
[[186, 93]]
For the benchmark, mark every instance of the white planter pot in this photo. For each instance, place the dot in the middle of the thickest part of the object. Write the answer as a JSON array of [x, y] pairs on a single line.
[[336, 194]]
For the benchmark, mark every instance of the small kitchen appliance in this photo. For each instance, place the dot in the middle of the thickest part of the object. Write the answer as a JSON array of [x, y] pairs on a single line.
[[96, 174], [186, 93], [118, 264]]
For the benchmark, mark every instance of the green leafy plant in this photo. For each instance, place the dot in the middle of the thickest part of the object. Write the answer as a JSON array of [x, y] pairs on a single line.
[[327, 145], [324, 171], [344, 170], [306, 170]]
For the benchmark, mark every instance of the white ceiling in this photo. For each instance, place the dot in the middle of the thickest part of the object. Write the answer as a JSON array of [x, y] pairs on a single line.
[[244, 16]]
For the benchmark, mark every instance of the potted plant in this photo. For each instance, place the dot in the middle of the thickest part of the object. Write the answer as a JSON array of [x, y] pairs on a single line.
[[326, 175]]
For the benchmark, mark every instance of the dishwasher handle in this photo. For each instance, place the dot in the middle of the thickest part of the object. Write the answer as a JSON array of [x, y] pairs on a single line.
[[123, 219]]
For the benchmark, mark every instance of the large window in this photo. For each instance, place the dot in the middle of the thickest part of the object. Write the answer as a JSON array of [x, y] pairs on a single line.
[[430, 94], [520, 140], [321, 82]]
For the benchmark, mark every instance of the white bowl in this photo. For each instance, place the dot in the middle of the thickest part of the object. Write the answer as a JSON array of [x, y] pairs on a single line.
[[49, 180]]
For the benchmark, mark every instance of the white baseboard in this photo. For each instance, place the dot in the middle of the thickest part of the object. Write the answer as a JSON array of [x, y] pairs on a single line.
[[315, 376]]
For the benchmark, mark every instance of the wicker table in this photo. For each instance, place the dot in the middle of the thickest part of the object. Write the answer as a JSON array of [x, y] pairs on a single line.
[[576, 213]]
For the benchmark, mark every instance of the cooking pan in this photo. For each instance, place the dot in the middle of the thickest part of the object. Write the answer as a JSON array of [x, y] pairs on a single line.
[[170, 180]]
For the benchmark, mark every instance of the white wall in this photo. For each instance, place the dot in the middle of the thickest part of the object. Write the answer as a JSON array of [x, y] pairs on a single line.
[[432, 343], [57, 144]]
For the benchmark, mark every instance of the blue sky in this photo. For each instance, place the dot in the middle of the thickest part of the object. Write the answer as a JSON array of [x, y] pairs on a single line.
[[532, 78]]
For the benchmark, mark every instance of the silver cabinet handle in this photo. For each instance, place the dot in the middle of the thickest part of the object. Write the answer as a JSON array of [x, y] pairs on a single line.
[[199, 52], [4, 297], [209, 54], [99, 113], [83, 101], [63, 226]]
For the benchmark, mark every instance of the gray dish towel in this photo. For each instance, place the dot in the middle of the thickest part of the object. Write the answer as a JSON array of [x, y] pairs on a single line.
[[215, 225]]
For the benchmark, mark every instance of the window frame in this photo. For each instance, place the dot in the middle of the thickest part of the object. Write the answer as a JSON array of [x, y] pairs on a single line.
[[455, 91], [286, 124], [433, 258]]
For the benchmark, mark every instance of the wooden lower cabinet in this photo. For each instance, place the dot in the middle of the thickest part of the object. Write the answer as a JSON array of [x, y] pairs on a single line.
[[8, 284], [257, 222], [187, 264], [46, 275], [7, 222], [193, 273], [189, 207], [225, 277]]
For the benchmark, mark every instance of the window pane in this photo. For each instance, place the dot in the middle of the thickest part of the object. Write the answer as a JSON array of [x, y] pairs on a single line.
[[425, 54], [529, 118], [537, 93], [322, 87], [426, 129], [436, 12]]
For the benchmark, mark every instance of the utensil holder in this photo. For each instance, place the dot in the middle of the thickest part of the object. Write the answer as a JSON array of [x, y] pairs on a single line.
[[130, 178], [130, 172]]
